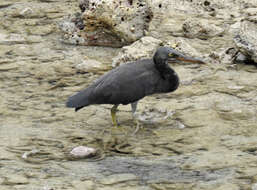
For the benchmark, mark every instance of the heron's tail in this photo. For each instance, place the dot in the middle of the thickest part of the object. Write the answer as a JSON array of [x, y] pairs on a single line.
[[78, 100]]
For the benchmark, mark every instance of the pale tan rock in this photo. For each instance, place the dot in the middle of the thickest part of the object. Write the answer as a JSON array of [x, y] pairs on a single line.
[[200, 28], [80, 185], [143, 48]]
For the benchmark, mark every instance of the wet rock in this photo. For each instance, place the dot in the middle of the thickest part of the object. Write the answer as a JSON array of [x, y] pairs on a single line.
[[89, 65], [9, 39], [31, 11], [118, 178], [225, 186], [8, 68], [246, 40], [228, 186], [5, 4], [79, 185], [143, 48], [153, 116], [191, 118], [179, 186], [233, 110], [200, 28], [42, 30], [132, 187], [109, 23], [14, 179], [29, 153], [237, 114]]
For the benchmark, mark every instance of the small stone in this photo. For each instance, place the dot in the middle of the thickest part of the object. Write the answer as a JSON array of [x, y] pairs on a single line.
[[26, 12], [132, 29], [29, 153], [118, 178], [82, 152]]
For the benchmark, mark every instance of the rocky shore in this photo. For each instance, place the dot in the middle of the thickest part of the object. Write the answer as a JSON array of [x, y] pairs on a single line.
[[202, 136]]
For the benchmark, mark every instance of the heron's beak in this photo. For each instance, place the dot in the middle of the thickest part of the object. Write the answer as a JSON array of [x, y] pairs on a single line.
[[190, 60], [186, 59]]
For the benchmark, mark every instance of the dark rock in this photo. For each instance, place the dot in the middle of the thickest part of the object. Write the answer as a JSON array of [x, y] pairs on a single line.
[[246, 41]]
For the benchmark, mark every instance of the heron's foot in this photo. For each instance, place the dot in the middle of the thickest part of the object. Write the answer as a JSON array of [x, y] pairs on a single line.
[[113, 114], [137, 126], [136, 122], [118, 130]]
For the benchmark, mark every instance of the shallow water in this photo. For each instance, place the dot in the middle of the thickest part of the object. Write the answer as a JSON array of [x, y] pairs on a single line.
[[203, 136]]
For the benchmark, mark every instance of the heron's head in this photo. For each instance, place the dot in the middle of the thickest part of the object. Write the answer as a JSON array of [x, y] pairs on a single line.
[[166, 55]]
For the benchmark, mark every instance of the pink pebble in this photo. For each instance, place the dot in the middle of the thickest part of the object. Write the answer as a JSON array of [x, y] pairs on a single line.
[[82, 152]]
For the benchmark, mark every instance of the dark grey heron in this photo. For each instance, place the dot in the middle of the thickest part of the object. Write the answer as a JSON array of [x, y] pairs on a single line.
[[130, 82]]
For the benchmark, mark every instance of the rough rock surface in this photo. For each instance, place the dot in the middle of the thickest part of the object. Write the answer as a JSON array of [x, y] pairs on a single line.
[[200, 28], [107, 23], [196, 27], [246, 40], [141, 49]]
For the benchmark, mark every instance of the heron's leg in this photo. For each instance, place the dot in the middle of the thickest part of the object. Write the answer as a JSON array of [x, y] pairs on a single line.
[[134, 108], [113, 113]]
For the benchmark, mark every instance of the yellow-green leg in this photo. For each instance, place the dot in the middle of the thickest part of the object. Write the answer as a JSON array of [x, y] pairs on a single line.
[[113, 113]]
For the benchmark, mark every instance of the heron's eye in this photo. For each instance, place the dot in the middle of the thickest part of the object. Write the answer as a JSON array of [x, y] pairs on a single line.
[[172, 55]]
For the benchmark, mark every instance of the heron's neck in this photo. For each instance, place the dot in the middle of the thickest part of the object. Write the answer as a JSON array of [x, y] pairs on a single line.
[[167, 73], [163, 68]]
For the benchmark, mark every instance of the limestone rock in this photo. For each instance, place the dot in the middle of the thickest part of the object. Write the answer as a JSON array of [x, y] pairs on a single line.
[[184, 45], [109, 23], [202, 29], [143, 48], [169, 16]]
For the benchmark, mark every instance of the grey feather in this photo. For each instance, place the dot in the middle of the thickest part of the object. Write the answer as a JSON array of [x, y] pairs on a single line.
[[122, 85]]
